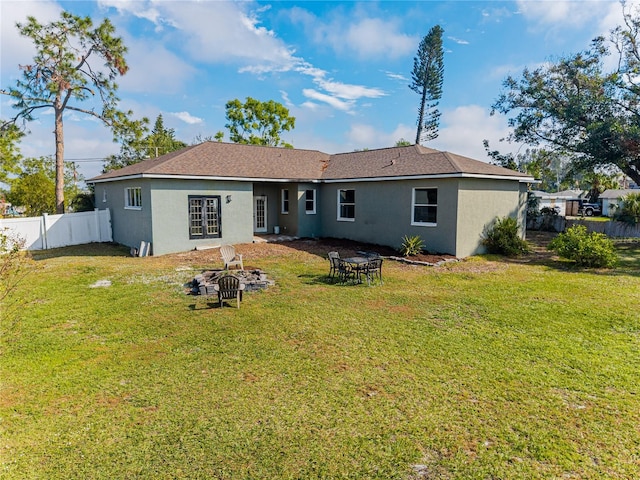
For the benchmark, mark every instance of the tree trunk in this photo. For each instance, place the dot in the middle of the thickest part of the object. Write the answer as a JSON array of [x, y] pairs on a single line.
[[59, 134], [421, 115]]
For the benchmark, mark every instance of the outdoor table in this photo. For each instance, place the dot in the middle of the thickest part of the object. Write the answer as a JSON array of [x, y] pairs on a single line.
[[358, 264]]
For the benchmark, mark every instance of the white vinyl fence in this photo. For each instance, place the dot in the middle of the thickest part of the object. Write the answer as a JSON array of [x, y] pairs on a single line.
[[53, 231]]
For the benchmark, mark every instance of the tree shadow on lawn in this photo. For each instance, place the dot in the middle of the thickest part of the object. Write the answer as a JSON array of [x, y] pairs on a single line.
[[84, 250]]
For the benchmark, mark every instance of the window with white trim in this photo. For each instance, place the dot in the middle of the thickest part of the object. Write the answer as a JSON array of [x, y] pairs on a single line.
[[346, 205], [424, 206], [133, 198], [284, 203], [204, 217], [310, 201]]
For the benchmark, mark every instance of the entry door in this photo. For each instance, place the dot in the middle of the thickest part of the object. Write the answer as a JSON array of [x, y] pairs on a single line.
[[260, 214]]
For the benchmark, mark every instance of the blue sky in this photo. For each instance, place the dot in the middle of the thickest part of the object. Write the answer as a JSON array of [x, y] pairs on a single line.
[[342, 68]]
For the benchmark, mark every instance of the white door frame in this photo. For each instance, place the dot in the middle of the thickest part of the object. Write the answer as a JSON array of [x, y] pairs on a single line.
[[257, 227]]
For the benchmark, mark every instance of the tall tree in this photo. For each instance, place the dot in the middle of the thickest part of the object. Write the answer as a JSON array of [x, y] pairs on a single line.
[[426, 80], [63, 75], [576, 106], [10, 157], [159, 141], [258, 123]]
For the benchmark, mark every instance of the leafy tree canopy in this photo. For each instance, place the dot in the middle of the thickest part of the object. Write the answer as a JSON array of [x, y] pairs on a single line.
[[63, 76], [34, 186], [402, 143], [579, 109], [258, 123], [10, 157], [159, 141]]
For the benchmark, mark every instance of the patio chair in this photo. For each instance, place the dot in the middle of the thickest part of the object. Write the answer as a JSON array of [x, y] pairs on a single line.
[[334, 261], [229, 287], [374, 269], [230, 257], [345, 271]]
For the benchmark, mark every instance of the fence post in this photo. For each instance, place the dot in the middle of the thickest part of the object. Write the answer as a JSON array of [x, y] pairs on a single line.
[[96, 222], [45, 228]]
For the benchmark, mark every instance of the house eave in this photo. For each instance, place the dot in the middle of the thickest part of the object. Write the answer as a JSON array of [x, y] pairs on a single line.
[[204, 177], [314, 180], [430, 177]]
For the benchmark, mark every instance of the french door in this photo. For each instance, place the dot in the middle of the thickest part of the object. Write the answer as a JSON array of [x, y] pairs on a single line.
[[260, 214]]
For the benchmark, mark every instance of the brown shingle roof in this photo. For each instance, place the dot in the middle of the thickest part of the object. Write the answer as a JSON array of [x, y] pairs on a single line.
[[217, 159], [413, 160]]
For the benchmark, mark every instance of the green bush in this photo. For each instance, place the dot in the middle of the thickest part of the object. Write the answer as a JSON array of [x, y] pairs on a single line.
[[502, 237], [411, 246], [586, 249]]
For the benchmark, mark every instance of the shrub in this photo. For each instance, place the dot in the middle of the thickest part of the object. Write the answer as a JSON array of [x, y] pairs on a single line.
[[586, 249], [411, 245], [502, 237], [14, 266]]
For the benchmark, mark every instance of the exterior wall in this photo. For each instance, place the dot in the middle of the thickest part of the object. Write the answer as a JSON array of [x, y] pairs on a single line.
[[272, 192], [309, 224], [480, 201], [171, 213], [130, 227], [383, 213]]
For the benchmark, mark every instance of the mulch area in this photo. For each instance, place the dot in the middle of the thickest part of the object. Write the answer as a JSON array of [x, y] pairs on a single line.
[[253, 252], [346, 248]]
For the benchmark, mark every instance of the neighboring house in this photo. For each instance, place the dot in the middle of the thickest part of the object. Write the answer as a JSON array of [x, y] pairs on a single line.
[[611, 199], [216, 193], [556, 200]]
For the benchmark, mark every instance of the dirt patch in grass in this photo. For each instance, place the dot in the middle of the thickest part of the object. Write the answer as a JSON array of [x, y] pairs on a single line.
[[254, 252], [319, 247]]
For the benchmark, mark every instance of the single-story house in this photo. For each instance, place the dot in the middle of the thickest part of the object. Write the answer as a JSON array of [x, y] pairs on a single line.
[[556, 200], [219, 193], [611, 198]]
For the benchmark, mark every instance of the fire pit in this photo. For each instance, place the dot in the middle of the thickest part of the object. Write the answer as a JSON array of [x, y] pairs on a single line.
[[252, 279]]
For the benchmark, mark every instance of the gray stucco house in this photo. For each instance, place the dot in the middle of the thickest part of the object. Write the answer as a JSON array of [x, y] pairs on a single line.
[[217, 193]]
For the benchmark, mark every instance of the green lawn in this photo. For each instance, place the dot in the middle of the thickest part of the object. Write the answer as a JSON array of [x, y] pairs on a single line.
[[482, 369]]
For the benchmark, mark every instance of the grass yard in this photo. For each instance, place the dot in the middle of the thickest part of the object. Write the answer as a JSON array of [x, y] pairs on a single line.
[[480, 369]]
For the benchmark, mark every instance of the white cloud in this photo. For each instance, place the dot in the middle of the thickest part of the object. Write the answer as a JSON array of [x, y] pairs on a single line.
[[19, 50], [458, 41], [345, 106], [361, 136], [186, 117], [138, 8], [357, 33], [463, 129], [339, 95], [153, 68], [228, 32], [372, 37], [396, 76], [563, 13]]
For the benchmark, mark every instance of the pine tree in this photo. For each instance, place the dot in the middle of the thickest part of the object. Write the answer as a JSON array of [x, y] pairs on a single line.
[[426, 81]]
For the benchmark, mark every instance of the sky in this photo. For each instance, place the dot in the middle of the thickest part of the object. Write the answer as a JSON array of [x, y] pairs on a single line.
[[341, 68]]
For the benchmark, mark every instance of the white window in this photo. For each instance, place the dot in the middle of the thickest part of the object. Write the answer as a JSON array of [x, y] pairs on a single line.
[[424, 208], [310, 201], [347, 205], [284, 205], [133, 198]]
